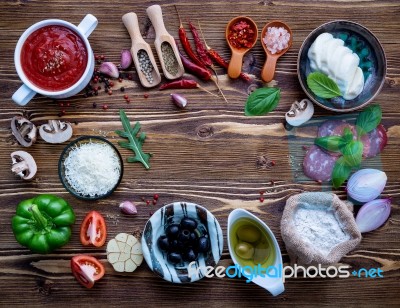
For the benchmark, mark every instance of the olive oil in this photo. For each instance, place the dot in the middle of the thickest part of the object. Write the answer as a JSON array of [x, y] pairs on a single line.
[[264, 251]]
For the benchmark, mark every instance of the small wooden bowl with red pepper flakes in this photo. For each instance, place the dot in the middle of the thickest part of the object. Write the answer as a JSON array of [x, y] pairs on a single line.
[[241, 35]]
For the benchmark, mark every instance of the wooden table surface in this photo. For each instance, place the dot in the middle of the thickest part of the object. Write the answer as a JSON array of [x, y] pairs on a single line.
[[208, 154]]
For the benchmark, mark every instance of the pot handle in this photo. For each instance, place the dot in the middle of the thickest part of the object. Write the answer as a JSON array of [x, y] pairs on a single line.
[[23, 95], [88, 24]]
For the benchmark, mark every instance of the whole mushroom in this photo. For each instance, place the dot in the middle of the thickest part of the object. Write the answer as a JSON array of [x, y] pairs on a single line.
[[23, 165], [55, 131], [24, 131]]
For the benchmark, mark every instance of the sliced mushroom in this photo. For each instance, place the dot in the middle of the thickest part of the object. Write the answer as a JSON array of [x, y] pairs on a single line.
[[300, 113], [23, 130], [56, 131], [23, 165]]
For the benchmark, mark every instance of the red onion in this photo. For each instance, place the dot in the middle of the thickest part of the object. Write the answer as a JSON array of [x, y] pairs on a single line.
[[128, 208], [373, 214], [109, 69]]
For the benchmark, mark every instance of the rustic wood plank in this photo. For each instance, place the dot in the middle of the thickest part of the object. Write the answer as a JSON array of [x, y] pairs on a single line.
[[206, 154]]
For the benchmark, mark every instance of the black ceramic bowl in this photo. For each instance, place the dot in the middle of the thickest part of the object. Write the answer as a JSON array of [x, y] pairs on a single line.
[[76, 143], [361, 41]]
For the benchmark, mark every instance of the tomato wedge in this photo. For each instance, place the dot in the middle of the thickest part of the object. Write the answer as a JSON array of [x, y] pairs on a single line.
[[93, 230], [87, 270]]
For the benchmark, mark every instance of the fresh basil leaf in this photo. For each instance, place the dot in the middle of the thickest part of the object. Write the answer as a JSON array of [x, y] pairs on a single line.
[[330, 143], [368, 119], [352, 153], [340, 173], [262, 101], [322, 85], [347, 135]]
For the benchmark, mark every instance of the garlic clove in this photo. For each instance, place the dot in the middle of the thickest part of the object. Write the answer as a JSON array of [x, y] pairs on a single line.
[[366, 184], [109, 69], [373, 215], [300, 113], [128, 208], [179, 100], [126, 59]]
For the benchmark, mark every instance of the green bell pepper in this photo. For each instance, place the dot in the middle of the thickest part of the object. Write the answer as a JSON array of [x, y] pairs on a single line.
[[43, 223]]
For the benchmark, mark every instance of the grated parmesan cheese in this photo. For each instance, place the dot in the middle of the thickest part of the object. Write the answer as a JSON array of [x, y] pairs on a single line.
[[92, 169]]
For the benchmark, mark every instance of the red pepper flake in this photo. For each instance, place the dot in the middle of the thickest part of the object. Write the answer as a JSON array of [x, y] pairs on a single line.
[[261, 199], [105, 107], [241, 35], [273, 163], [146, 95], [155, 197]]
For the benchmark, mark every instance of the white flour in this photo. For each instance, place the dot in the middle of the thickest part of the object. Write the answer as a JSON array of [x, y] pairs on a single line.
[[319, 227]]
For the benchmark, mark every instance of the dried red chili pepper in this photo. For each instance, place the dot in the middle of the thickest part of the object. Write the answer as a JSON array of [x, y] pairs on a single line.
[[200, 48], [186, 44], [200, 72], [184, 84]]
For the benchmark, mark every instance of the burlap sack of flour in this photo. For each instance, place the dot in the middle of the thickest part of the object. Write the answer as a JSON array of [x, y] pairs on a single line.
[[318, 228]]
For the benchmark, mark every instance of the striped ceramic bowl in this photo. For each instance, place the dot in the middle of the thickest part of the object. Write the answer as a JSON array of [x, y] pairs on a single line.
[[157, 259]]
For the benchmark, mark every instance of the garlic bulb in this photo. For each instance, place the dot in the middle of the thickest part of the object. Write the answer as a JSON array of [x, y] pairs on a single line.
[[366, 184], [124, 252], [300, 113]]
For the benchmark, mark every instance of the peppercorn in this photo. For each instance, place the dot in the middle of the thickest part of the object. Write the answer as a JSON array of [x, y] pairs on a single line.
[[96, 92], [126, 96], [94, 105], [105, 107], [148, 202], [122, 89], [120, 79], [155, 197], [128, 100], [102, 57], [261, 199], [130, 77], [111, 84], [146, 95], [154, 202], [109, 92]]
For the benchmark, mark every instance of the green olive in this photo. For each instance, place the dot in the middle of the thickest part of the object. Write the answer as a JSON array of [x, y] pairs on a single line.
[[261, 253], [248, 234], [244, 250]]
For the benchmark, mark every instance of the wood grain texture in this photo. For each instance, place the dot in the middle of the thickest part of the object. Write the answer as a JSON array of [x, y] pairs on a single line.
[[206, 154]]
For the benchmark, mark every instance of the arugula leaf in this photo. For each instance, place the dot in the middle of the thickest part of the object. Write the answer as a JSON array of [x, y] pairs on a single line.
[[262, 101], [368, 119], [340, 173], [322, 85], [134, 143], [352, 153], [331, 143]]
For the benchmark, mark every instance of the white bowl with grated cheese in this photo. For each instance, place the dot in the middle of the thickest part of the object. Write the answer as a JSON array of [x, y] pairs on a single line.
[[90, 168]]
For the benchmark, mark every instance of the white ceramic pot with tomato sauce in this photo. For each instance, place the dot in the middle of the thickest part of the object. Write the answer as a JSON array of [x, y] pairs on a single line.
[[32, 84]]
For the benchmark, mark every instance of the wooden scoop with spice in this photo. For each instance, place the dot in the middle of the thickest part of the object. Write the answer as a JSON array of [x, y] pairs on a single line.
[[142, 55], [165, 45], [241, 35], [276, 39]]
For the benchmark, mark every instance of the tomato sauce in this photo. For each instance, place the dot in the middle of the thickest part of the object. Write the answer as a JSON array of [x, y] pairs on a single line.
[[54, 58]]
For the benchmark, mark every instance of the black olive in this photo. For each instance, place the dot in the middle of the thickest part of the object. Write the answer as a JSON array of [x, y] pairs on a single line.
[[174, 258], [184, 236], [190, 255], [163, 243], [174, 245], [203, 244], [188, 223], [172, 231], [193, 237]]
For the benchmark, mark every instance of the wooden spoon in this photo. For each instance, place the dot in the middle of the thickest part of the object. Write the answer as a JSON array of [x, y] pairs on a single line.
[[131, 23], [162, 36], [236, 62], [268, 70]]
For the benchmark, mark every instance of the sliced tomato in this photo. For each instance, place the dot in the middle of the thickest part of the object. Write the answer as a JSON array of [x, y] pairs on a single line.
[[87, 270], [93, 230]]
